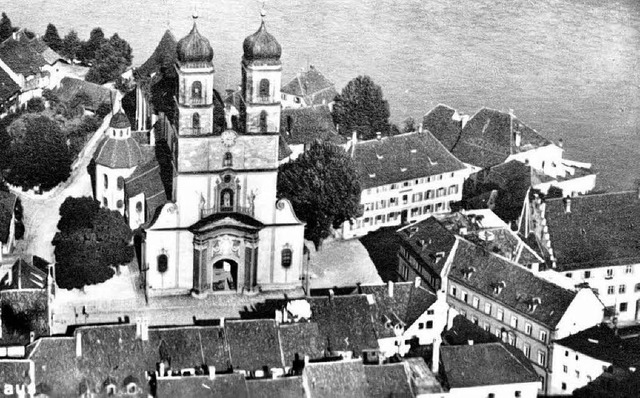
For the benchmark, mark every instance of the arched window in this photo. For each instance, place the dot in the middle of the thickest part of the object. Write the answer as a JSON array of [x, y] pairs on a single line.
[[106, 181], [263, 122], [263, 90], [105, 202], [195, 123], [120, 183], [228, 160], [289, 123], [139, 207], [286, 257], [163, 263], [119, 204], [196, 90], [226, 200]]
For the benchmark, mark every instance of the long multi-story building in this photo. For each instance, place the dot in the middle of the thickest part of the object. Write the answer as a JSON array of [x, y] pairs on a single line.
[[404, 178]]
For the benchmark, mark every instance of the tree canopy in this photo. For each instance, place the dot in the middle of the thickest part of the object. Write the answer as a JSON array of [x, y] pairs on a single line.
[[111, 60], [6, 28], [71, 45], [38, 153], [323, 188], [91, 242], [361, 108], [52, 38]]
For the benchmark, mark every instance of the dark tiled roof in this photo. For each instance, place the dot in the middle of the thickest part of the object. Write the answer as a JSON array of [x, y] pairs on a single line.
[[305, 125], [388, 381], [346, 322], [601, 230], [281, 387], [302, 338], [406, 305], [55, 363], [521, 285], [342, 379], [146, 179], [188, 347], [69, 87], [483, 365], [7, 207], [601, 342], [26, 276], [254, 344], [402, 157], [487, 138], [441, 123], [7, 86], [21, 57], [222, 386], [311, 84], [15, 372], [119, 153], [119, 121], [502, 173], [163, 56], [426, 239]]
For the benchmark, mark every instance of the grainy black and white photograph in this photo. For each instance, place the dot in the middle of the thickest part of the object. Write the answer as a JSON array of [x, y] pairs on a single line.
[[320, 199]]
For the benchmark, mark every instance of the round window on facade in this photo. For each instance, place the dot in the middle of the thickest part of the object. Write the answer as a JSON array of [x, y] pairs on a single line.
[[163, 263], [286, 258]]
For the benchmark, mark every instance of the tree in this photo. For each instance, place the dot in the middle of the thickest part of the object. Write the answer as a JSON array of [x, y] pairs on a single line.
[[90, 47], [6, 29], [107, 66], [91, 242], [361, 107], [409, 125], [323, 187], [122, 48], [38, 153], [71, 45], [35, 105], [52, 38]]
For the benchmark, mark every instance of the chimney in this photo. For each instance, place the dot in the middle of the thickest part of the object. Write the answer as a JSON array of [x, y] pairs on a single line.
[[78, 344], [212, 372], [222, 322], [390, 286], [567, 205], [161, 369], [32, 336], [561, 143], [306, 360], [435, 357], [470, 342], [378, 135], [144, 330], [417, 281], [517, 137], [331, 294], [420, 128]]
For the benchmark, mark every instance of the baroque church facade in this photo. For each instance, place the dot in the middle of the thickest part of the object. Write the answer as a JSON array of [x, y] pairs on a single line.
[[224, 229]]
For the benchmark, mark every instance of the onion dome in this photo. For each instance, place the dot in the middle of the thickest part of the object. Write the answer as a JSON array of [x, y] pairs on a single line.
[[119, 153], [261, 46], [119, 121], [194, 48]]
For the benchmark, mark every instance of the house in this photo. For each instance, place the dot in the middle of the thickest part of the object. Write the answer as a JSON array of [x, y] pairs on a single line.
[[403, 178], [486, 370], [94, 94], [7, 222], [491, 137], [301, 127], [428, 246], [308, 89], [9, 91], [524, 310], [582, 357], [592, 240], [404, 312]]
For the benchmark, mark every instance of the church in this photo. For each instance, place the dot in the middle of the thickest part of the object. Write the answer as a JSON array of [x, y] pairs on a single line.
[[223, 229]]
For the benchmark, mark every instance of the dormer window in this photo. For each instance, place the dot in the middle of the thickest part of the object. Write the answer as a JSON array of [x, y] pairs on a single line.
[[535, 302], [497, 289], [132, 388]]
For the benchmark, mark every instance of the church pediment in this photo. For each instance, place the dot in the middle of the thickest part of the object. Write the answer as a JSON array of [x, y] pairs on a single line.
[[227, 220]]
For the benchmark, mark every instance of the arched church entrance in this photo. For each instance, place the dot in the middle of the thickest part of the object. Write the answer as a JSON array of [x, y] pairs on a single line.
[[224, 275]]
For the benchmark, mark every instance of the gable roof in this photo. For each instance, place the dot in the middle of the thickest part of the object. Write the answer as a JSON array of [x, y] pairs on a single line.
[[305, 125], [488, 138], [26, 276], [283, 147], [390, 380], [603, 343], [254, 344], [340, 379], [281, 387], [483, 365], [402, 157], [7, 208], [69, 87], [188, 347], [345, 321], [8, 87], [521, 285], [146, 179], [224, 386], [429, 241], [22, 57], [406, 305], [312, 85], [302, 338], [600, 230], [445, 125], [164, 55]]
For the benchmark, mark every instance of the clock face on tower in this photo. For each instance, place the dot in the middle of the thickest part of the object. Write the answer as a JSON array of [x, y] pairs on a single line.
[[228, 137]]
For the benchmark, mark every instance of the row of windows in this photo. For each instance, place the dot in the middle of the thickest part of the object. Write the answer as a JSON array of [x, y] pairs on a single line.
[[119, 203], [119, 182], [393, 216], [263, 89], [487, 308], [408, 183], [416, 197], [609, 272]]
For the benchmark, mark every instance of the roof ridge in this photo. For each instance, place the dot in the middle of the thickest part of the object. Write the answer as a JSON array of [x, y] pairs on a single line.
[[440, 104], [594, 195]]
